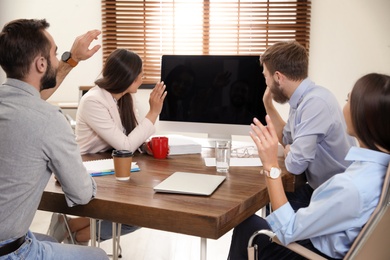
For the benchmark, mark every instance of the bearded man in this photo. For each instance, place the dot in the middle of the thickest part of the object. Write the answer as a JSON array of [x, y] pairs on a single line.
[[314, 137]]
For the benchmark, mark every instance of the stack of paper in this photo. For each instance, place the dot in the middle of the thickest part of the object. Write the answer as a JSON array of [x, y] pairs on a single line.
[[104, 167], [179, 144]]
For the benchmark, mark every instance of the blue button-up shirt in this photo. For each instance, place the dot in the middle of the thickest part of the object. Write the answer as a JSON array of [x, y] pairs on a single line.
[[339, 208], [316, 132]]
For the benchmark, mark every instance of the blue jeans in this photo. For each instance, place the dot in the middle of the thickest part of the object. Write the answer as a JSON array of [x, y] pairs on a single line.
[[34, 249]]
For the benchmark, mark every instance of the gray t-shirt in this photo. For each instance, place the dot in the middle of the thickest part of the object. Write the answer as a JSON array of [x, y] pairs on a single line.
[[36, 141]]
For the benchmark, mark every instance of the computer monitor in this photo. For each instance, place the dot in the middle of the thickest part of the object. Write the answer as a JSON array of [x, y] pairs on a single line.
[[212, 94]]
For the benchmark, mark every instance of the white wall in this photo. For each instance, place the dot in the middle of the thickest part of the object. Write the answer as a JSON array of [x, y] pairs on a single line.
[[349, 38], [348, 42], [68, 19]]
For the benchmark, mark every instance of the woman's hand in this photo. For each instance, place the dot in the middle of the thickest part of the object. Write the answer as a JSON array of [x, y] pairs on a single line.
[[156, 101], [266, 140]]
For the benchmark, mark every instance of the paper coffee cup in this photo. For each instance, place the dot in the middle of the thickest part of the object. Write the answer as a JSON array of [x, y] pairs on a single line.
[[122, 164]]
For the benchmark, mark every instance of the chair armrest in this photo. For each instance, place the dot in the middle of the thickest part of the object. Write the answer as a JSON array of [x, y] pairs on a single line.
[[297, 248], [301, 250]]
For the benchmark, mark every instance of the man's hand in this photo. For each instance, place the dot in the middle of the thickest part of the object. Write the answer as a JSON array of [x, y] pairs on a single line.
[[80, 51], [267, 98], [80, 48], [277, 120], [286, 150]]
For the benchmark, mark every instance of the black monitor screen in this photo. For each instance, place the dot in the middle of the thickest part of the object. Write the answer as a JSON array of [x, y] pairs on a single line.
[[213, 89]]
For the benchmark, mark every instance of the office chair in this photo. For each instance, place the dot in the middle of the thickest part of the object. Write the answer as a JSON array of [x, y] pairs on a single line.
[[83, 90], [71, 121], [372, 241], [116, 233]]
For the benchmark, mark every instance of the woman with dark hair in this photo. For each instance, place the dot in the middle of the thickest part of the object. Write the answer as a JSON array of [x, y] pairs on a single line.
[[106, 117], [341, 206], [106, 120]]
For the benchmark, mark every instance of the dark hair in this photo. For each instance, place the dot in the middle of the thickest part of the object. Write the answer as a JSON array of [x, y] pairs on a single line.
[[370, 110], [290, 58], [121, 69], [20, 42]]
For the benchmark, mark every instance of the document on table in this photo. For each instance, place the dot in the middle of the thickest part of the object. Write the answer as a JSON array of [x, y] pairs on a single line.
[[236, 161], [105, 167]]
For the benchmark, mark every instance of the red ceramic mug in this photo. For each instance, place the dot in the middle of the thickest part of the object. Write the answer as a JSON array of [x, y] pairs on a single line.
[[159, 147]]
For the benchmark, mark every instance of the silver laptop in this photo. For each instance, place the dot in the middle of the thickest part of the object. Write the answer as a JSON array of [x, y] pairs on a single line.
[[190, 183]]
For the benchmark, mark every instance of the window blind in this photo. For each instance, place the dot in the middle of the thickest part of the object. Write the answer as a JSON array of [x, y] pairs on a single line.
[[201, 27]]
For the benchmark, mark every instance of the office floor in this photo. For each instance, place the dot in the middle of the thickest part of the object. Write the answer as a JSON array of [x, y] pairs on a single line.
[[150, 244]]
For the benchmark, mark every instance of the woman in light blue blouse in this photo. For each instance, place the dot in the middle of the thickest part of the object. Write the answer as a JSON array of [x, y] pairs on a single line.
[[341, 206]]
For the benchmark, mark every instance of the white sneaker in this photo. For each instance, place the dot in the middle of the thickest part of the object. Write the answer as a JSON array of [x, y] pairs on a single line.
[[57, 228]]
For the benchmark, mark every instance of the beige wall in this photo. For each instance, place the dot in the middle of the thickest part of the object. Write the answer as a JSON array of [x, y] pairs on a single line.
[[67, 19], [349, 38]]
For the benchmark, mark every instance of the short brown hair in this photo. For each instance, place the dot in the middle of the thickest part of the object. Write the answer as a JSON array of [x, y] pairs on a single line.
[[289, 58], [20, 42], [370, 110]]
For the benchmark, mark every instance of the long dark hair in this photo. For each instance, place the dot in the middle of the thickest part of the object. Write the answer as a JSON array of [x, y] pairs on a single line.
[[370, 110], [20, 42], [121, 69]]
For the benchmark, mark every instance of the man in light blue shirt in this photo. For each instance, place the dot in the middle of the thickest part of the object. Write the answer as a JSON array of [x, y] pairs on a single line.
[[314, 137]]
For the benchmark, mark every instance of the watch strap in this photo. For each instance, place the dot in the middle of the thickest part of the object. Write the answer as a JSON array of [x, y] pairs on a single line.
[[72, 62], [67, 58], [267, 173]]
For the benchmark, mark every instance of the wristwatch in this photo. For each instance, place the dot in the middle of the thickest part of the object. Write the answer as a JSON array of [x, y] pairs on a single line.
[[274, 173], [67, 57]]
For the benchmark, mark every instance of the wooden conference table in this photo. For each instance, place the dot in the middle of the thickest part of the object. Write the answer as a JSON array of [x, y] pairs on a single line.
[[134, 202]]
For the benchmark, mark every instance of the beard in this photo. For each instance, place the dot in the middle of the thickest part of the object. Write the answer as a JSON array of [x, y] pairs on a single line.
[[49, 79], [277, 93]]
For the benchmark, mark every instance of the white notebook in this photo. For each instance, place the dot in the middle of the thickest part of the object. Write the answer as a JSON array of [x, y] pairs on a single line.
[[190, 183], [105, 165]]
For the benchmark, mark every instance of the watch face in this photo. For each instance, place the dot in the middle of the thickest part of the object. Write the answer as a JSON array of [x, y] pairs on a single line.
[[65, 56], [274, 173]]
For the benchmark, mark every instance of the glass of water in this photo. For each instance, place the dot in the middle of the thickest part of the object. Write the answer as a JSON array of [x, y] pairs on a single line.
[[222, 155]]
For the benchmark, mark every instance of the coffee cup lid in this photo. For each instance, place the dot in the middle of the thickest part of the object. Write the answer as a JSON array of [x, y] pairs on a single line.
[[122, 153]]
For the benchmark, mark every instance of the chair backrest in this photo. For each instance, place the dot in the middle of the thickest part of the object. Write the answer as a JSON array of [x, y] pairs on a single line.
[[83, 90], [373, 240]]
